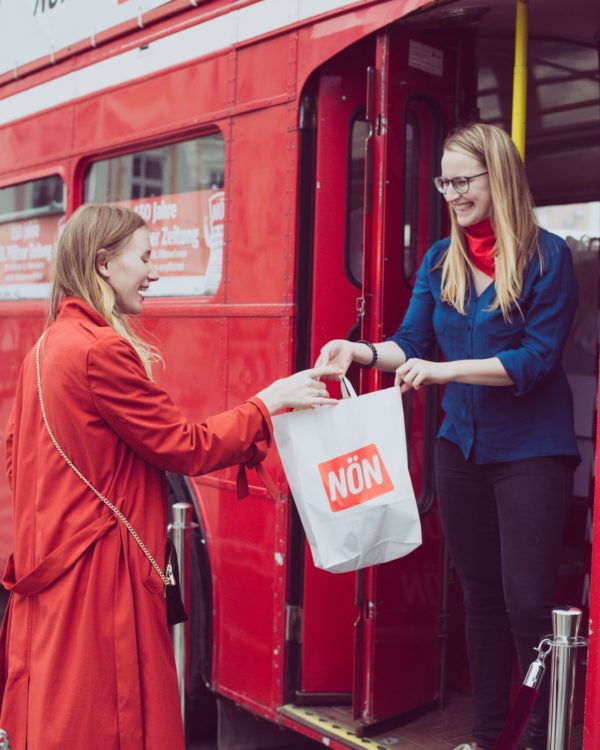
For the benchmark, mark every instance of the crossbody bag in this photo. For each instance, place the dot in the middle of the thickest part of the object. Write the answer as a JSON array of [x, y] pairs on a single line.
[[175, 608]]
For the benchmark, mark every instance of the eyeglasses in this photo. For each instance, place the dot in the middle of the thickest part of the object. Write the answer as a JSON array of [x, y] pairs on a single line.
[[460, 184]]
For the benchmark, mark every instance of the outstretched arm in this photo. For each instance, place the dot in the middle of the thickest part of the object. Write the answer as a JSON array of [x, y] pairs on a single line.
[[144, 417]]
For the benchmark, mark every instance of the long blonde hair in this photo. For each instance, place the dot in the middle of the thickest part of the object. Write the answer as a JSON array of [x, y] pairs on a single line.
[[512, 217], [91, 228]]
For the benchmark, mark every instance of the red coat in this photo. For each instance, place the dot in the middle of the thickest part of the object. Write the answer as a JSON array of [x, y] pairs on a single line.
[[87, 661]]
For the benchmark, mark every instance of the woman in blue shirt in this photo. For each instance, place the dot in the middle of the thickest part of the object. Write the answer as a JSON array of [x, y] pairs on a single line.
[[498, 297]]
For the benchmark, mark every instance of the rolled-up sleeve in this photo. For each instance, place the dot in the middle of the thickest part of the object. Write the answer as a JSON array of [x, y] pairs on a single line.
[[548, 317], [415, 335]]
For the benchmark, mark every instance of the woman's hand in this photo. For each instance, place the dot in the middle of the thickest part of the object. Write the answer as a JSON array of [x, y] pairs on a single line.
[[300, 391], [415, 373], [338, 353]]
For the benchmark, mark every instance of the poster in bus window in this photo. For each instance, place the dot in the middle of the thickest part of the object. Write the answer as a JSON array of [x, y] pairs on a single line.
[[186, 236], [26, 254]]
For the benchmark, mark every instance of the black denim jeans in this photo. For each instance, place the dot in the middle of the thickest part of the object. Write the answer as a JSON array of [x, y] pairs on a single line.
[[504, 525]]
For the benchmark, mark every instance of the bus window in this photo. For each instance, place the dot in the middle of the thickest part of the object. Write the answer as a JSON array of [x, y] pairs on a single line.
[[178, 189], [421, 206], [411, 194], [359, 132], [31, 216]]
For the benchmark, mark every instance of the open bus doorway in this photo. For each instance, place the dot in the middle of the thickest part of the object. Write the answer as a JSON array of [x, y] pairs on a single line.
[[369, 642]]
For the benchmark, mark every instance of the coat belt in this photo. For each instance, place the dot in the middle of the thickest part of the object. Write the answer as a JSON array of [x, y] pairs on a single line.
[[59, 561]]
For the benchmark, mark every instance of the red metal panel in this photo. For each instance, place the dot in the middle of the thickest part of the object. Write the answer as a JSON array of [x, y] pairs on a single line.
[[265, 69], [320, 41], [258, 353], [327, 632], [329, 606], [249, 539], [163, 103], [194, 372], [261, 238], [36, 140], [248, 620], [404, 664]]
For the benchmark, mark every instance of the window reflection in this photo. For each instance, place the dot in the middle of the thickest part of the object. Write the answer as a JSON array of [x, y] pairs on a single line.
[[178, 190], [355, 207], [411, 194], [31, 220], [35, 198], [175, 168]]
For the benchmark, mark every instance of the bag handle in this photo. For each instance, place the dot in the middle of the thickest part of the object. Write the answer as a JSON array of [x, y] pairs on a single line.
[[347, 388], [167, 577]]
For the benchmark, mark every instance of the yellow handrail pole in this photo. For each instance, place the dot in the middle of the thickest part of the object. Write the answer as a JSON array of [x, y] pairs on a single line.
[[519, 104]]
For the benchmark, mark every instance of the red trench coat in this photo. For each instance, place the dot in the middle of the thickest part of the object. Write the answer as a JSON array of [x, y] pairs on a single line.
[[87, 661]]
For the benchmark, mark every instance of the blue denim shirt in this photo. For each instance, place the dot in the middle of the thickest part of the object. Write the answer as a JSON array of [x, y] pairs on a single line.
[[533, 417]]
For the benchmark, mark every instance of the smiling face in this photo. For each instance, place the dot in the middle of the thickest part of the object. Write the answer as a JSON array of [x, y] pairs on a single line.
[[476, 204], [129, 272]]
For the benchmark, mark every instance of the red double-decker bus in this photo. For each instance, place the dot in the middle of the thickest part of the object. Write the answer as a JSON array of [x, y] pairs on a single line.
[[282, 153]]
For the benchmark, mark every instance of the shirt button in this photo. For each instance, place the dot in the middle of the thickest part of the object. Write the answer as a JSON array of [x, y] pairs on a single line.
[[469, 328]]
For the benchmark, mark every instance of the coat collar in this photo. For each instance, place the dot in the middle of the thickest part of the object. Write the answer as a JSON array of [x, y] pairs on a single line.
[[74, 307]]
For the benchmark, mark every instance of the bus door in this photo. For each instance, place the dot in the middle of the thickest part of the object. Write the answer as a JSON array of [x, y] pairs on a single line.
[[326, 607], [411, 104]]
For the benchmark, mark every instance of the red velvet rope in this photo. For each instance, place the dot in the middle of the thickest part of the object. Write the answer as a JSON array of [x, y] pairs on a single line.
[[517, 718]]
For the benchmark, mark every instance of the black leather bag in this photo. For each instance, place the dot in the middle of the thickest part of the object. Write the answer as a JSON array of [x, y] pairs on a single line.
[[175, 609]]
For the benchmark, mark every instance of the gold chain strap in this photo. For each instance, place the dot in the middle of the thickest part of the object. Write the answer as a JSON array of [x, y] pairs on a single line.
[[167, 578]]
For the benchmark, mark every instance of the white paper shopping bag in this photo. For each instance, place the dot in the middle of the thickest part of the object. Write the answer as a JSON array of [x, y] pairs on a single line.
[[347, 468]]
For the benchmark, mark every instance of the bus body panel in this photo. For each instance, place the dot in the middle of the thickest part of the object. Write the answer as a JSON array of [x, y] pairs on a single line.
[[261, 246], [167, 102], [222, 349]]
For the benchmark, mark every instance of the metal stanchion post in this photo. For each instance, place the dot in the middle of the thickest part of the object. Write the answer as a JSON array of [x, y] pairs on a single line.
[[180, 534], [565, 623]]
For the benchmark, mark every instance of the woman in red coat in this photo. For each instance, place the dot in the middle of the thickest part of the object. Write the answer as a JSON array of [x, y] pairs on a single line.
[[86, 659]]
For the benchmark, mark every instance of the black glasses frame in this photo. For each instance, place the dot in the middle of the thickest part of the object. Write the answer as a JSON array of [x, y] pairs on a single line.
[[457, 183]]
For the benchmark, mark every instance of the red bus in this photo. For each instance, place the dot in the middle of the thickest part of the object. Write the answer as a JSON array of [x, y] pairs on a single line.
[[282, 152]]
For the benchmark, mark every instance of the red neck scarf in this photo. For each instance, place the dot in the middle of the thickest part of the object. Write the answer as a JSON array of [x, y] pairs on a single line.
[[481, 240]]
